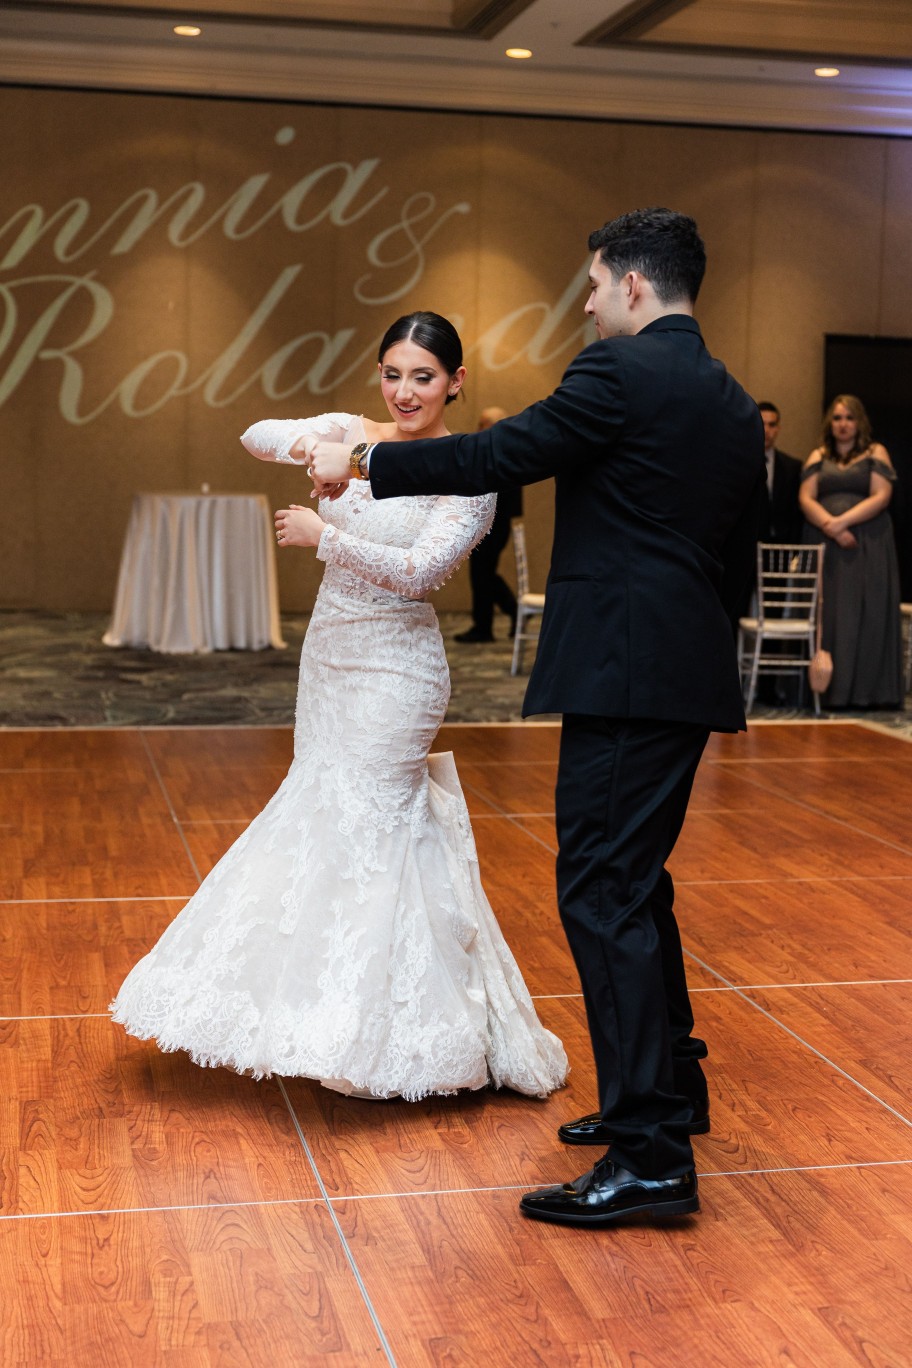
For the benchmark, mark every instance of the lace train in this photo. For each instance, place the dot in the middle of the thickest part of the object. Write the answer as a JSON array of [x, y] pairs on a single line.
[[411, 991]]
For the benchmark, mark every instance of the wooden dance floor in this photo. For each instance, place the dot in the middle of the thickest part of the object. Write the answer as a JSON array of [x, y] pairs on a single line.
[[157, 1213]]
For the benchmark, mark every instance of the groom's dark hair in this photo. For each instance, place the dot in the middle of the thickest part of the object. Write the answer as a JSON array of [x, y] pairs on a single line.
[[661, 245]]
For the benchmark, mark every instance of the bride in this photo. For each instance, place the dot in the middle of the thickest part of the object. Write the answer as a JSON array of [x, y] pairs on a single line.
[[345, 936]]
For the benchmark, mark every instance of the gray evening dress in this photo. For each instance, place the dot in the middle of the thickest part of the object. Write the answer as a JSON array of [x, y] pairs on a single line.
[[861, 617]]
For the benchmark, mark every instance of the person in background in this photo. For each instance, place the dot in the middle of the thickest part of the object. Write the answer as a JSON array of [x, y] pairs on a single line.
[[489, 589], [783, 522], [846, 487], [783, 479]]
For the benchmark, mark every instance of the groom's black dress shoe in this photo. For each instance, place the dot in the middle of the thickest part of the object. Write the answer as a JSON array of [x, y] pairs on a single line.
[[608, 1194], [591, 1130]]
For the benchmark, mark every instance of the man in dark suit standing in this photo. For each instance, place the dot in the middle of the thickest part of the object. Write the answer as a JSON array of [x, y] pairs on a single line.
[[489, 589], [784, 520], [657, 458], [782, 523]]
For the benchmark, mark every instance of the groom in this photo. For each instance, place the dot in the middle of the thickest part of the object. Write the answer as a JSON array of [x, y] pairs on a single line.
[[657, 455]]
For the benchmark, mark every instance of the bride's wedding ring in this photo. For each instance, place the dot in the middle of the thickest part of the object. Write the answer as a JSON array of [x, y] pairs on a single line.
[[310, 471]]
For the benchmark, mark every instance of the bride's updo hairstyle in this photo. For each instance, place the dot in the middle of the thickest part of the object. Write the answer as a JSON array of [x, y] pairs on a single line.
[[431, 331]]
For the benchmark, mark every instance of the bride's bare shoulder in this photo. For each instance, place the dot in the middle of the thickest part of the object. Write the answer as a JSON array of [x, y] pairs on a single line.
[[378, 432]]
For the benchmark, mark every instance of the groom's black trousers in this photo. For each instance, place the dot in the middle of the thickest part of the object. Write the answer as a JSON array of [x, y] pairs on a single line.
[[622, 792]]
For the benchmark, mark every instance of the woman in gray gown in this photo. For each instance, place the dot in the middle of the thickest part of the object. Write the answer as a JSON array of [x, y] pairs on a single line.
[[846, 487]]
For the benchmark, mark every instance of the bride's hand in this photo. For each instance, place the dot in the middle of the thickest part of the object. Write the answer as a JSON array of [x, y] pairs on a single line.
[[297, 526], [329, 469]]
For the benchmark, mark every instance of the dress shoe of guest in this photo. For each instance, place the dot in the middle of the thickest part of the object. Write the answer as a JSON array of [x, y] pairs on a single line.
[[591, 1129], [473, 635], [608, 1194]]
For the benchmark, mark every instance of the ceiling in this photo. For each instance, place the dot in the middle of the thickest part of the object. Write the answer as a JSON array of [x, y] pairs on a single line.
[[743, 62]]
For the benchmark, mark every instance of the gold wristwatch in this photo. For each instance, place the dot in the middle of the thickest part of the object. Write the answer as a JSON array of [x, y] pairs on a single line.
[[357, 461]]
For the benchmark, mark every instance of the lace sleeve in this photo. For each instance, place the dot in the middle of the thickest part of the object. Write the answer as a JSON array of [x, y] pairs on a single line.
[[273, 438], [453, 527]]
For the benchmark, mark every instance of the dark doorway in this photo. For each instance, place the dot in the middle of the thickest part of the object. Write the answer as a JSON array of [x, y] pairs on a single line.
[[879, 371]]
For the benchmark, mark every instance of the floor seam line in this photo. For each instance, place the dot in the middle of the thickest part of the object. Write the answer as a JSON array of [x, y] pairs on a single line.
[[545, 997], [679, 883], [811, 983], [152, 1210], [346, 1248], [821, 812], [795, 878], [701, 1173], [167, 797], [742, 993], [154, 897], [500, 811], [422, 1192], [57, 1016]]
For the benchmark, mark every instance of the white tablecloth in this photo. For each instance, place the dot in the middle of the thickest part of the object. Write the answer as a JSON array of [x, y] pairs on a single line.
[[197, 574]]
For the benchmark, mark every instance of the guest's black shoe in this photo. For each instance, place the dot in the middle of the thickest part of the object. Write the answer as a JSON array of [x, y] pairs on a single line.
[[608, 1194], [473, 635], [591, 1130]]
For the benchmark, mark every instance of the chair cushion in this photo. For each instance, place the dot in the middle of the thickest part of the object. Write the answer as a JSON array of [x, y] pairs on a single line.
[[777, 627]]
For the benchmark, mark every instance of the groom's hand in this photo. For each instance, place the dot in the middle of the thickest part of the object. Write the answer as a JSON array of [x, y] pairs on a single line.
[[329, 468]]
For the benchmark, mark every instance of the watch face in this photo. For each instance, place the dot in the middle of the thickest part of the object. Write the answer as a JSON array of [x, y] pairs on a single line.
[[360, 449]]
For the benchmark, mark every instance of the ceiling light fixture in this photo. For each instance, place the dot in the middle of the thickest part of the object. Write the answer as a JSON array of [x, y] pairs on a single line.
[[518, 53], [187, 30], [826, 71]]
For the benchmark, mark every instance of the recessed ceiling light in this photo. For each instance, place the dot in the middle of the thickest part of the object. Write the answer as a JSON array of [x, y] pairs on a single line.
[[518, 53], [826, 71], [187, 30]]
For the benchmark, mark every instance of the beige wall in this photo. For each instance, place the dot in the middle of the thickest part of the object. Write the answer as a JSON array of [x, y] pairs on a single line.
[[481, 218]]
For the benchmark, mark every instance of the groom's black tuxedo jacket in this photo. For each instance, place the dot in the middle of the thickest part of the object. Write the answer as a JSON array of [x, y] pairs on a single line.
[[657, 455]]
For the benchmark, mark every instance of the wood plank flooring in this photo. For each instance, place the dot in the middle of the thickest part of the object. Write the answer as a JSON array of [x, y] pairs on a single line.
[[154, 1213]]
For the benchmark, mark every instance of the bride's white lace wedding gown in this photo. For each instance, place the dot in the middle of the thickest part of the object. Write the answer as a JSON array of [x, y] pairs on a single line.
[[345, 936]]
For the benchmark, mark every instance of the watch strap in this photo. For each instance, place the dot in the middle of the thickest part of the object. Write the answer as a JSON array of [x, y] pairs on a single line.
[[357, 461]]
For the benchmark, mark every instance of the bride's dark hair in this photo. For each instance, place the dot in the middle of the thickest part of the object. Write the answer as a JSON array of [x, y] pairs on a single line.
[[431, 331]]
